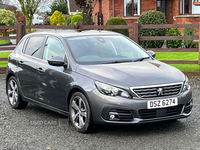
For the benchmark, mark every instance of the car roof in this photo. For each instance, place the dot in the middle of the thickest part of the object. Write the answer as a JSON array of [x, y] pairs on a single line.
[[72, 33]]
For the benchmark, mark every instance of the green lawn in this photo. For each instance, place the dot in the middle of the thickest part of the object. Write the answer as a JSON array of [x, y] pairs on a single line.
[[4, 55], [180, 56], [4, 41], [159, 56], [3, 63], [33, 29]]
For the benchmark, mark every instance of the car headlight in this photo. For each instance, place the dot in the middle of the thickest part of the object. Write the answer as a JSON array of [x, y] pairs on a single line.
[[110, 90], [185, 85]]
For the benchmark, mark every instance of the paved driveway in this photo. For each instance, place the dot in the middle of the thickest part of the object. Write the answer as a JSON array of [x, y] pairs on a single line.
[[39, 128]]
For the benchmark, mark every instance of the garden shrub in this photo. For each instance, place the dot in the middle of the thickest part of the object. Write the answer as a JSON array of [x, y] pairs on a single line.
[[174, 43], [7, 18], [76, 18], [82, 15], [118, 21], [57, 18], [195, 45], [188, 32], [47, 20], [152, 17], [69, 20]]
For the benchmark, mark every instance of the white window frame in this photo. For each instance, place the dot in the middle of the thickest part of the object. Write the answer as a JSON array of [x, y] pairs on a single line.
[[195, 8], [132, 8]]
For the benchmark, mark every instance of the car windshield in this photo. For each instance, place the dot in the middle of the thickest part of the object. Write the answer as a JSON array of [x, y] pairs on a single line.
[[104, 49], [40, 18]]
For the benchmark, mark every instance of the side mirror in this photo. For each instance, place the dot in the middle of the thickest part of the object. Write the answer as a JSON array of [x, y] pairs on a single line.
[[56, 61], [152, 53]]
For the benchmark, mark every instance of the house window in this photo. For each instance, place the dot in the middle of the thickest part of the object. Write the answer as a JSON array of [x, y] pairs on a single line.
[[131, 7], [184, 6], [187, 7], [195, 8]]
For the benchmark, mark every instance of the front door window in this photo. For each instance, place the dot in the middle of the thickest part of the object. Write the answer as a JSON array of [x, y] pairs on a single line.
[[53, 48]]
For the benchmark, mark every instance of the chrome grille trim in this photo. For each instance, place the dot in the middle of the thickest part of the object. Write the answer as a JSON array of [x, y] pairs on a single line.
[[151, 91]]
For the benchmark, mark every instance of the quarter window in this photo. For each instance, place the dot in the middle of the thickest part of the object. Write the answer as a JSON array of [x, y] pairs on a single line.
[[34, 46], [53, 48], [19, 46], [131, 7]]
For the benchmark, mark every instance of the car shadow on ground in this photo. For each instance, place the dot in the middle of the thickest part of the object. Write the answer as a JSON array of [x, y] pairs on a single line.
[[157, 127], [136, 129]]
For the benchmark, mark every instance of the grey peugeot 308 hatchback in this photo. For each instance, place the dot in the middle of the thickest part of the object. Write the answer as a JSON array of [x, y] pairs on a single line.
[[95, 78]]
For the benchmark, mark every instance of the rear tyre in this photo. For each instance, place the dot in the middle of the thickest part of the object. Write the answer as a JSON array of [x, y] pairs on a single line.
[[80, 113], [14, 97]]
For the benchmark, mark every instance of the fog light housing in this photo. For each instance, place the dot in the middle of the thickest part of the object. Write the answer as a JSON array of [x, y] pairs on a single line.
[[188, 107], [114, 116]]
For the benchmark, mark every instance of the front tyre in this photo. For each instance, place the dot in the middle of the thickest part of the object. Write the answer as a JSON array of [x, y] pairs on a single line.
[[80, 113], [14, 97]]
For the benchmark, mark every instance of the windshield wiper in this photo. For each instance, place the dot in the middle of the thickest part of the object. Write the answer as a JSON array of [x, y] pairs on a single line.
[[141, 59], [119, 61]]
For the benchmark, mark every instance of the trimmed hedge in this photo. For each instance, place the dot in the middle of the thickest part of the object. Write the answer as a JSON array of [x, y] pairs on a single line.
[[118, 21], [152, 17], [76, 18], [174, 43], [188, 32], [57, 18], [69, 20]]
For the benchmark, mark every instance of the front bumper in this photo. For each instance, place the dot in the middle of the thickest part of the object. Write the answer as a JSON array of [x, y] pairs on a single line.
[[134, 111]]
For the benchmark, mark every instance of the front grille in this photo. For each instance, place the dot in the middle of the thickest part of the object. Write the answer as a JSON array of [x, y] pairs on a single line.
[[155, 113], [157, 91]]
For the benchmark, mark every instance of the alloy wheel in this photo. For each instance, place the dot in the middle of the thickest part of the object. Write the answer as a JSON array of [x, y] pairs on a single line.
[[78, 112], [12, 92]]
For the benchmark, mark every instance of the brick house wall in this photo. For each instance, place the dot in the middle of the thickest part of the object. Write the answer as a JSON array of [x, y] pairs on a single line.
[[148, 5], [175, 18], [105, 10], [96, 9], [173, 12]]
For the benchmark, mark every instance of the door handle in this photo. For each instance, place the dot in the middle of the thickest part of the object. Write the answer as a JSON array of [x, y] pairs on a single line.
[[40, 71]]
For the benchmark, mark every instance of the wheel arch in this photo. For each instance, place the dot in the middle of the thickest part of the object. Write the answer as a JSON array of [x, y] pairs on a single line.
[[72, 91]]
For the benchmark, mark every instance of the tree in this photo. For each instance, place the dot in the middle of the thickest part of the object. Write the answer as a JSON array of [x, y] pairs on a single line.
[[29, 7], [45, 5], [87, 7], [11, 8], [61, 6], [14, 3]]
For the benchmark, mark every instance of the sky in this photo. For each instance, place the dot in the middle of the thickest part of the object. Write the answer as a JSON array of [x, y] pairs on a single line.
[[43, 6]]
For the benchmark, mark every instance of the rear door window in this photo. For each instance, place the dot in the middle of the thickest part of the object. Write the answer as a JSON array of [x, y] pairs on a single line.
[[34, 46]]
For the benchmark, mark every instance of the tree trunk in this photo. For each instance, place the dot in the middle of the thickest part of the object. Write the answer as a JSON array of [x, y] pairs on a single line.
[[28, 21], [87, 18]]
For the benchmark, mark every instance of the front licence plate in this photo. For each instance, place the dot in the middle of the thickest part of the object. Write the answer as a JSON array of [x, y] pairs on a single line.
[[162, 103]]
